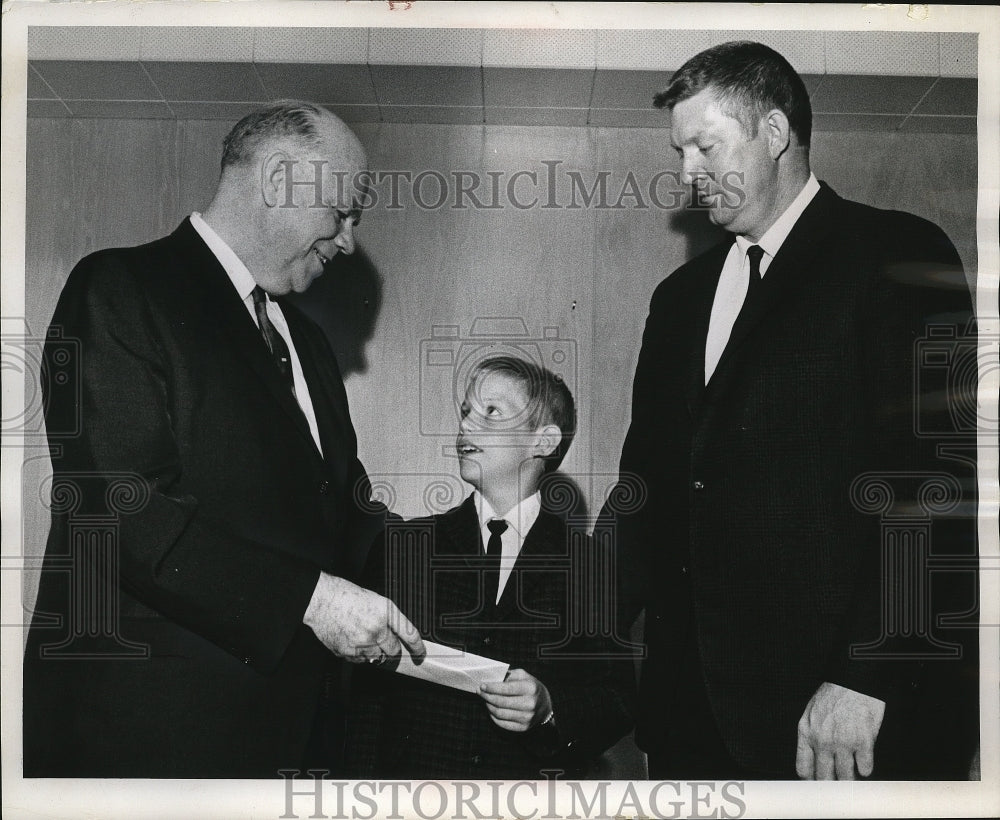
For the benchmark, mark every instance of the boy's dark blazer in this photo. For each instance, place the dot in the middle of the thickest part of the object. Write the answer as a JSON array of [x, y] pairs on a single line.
[[410, 729], [223, 516], [754, 540]]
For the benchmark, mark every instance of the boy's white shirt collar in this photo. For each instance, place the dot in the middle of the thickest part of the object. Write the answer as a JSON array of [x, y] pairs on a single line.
[[521, 517]]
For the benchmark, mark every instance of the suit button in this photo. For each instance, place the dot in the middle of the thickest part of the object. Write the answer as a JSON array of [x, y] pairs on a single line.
[[476, 760], [684, 570], [698, 485], [324, 487], [487, 641]]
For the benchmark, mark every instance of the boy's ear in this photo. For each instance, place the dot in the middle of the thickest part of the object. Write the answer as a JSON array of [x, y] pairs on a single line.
[[548, 440]]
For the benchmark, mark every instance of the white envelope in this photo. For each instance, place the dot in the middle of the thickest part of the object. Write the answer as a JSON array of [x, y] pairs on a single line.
[[453, 667]]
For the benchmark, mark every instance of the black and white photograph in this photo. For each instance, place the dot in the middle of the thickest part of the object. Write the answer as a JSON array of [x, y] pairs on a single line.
[[450, 409]]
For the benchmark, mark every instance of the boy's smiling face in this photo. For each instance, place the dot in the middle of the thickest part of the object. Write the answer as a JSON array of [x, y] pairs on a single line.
[[497, 437]]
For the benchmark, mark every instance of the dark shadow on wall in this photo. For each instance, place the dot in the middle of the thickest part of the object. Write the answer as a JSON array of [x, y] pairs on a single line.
[[345, 301], [562, 495]]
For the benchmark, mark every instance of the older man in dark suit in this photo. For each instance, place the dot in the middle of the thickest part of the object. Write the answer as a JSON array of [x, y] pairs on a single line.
[[775, 379], [220, 413]]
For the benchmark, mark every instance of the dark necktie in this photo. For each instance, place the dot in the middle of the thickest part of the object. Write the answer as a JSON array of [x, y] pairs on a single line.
[[494, 548], [754, 253], [274, 341]]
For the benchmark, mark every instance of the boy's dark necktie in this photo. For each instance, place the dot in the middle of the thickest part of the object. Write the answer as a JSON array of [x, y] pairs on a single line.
[[274, 341], [494, 548]]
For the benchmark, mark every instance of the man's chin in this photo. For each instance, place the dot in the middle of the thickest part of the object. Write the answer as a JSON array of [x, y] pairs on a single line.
[[303, 284], [722, 217]]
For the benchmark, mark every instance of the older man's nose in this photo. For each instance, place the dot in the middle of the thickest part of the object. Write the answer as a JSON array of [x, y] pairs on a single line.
[[691, 171], [345, 237]]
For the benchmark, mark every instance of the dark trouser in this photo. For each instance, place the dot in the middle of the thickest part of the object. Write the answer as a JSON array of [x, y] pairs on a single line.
[[692, 748]]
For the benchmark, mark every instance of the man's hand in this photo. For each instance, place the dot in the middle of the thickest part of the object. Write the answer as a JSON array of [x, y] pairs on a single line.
[[837, 730], [359, 625], [518, 703]]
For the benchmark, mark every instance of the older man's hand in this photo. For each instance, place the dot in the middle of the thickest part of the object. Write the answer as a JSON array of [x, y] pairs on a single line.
[[837, 732], [359, 625]]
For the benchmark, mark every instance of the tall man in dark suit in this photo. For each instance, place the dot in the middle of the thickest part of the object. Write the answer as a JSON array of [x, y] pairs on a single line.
[[199, 638], [761, 422]]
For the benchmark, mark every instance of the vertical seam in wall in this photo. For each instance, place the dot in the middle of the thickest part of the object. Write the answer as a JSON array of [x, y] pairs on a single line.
[[592, 137], [141, 60], [482, 76], [253, 70], [592, 368], [482, 91], [590, 99], [268, 94], [593, 78], [371, 77]]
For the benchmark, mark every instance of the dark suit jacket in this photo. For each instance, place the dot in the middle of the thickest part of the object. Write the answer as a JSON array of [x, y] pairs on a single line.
[[192, 514], [411, 729], [752, 539]]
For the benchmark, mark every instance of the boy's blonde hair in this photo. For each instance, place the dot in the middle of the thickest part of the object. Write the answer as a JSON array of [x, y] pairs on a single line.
[[549, 399]]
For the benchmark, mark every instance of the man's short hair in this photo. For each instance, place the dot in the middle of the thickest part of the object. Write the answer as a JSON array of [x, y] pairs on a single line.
[[549, 399], [293, 119], [749, 80]]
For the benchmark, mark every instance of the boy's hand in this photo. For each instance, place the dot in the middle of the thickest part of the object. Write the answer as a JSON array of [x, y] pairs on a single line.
[[518, 703]]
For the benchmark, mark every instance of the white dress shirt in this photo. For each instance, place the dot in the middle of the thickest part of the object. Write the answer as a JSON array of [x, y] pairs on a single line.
[[520, 519], [731, 291], [244, 284]]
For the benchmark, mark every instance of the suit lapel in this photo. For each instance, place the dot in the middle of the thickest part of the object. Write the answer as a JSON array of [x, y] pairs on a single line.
[[543, 553], [458, 605], [231, 319], [329, 400], [459, 533], [789, 268], [459, 536], [703, 296]]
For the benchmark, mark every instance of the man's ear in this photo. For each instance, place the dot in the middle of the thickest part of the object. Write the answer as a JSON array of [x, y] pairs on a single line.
[[547, 441], [777, 131], [274, 186]]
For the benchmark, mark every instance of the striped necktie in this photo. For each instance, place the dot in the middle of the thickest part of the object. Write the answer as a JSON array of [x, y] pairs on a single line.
[[274, 341]]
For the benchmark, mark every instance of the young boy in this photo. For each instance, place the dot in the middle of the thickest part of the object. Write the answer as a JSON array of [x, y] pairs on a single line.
[[568, 694]]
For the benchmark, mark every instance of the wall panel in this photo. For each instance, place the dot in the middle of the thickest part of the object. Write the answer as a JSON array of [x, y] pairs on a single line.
[[586, 271]]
